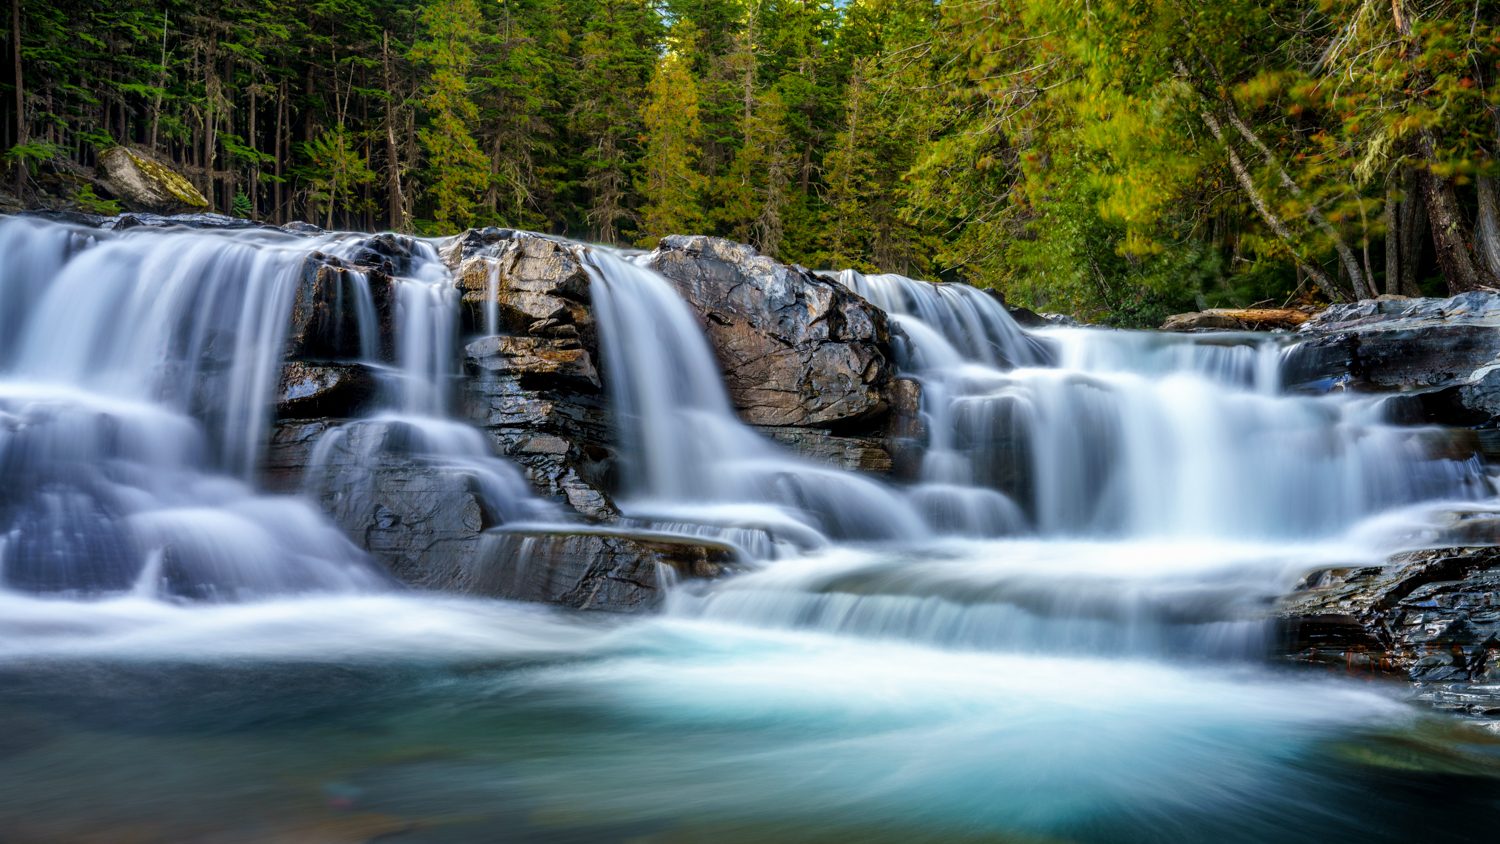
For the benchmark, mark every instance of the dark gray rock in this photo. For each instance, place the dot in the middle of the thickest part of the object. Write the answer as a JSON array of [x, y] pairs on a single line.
[[309, 390], [590, 569], [289, 452], [795, 349], [1395, 344], [1432, 616], [422, 522], [324, 322]]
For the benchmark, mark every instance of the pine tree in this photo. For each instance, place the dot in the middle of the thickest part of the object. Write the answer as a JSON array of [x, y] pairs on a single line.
[[669, 183], [458, 170]]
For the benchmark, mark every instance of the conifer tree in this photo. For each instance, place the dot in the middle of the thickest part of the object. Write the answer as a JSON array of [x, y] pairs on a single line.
[[669, 183], [458, 170]]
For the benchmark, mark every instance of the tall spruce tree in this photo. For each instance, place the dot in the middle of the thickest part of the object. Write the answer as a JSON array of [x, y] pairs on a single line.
[[457, 171], [669, 183]]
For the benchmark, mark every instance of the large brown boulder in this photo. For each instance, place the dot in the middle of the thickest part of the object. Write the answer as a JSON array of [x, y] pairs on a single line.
[[795, 349], [142, 183]]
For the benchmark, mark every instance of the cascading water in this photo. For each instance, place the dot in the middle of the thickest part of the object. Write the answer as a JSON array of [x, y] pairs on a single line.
[[682, 444], [1161, 490], [1022, 645], [111, 473], [417, 406]]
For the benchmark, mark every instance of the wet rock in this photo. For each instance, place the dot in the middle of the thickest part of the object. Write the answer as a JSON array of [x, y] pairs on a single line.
[[144, 184], [1393, 345], [854, 453], [309, 390], [546, 412], [289, 452], [535, 285], [590, 570], [123, 222], [1432, 616], [421, 522], [325, 313], [536, 360], [535, 389], [795, 349]]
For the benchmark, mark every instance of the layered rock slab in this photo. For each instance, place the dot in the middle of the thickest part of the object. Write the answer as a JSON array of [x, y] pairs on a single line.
[[590, 569], [1430, 616]]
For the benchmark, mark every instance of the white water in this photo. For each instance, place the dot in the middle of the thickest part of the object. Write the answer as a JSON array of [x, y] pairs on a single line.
[[110, 459], [681, 443]]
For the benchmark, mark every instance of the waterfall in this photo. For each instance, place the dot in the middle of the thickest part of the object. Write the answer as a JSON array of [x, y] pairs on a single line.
[[418, 410], [682, 444], [1158, 491], [136, 373], [1095, 432]]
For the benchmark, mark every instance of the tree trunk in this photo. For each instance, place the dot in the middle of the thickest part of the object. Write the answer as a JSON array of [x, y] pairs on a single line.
[[254, 190], [1273, 222], [1392, 240], [1487, 226], [276, 193], [1449, 232], [1362, 290], [21, 128], [1450, 236], [161, 83], [1413, 233]]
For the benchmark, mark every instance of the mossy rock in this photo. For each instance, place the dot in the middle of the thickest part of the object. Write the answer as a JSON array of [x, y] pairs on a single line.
[[142, 183]]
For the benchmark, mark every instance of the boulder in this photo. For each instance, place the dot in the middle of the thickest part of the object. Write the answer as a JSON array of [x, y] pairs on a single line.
[[535, 389], [421, 521], [1431, 616], [535, 285], [325, 313], [142, 183], [795, 349], [590, 569]]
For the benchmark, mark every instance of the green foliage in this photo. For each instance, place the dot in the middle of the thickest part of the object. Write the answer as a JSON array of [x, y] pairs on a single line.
[[91, 203], [334, 170], [1074, 153], [458, 170], [669, 183]]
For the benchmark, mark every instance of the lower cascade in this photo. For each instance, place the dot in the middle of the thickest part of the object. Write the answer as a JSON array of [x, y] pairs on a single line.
[[920, 570]]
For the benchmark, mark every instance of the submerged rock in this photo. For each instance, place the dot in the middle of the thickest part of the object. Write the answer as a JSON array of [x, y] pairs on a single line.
[[588, 569], [1432, 616], [796, 349]]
